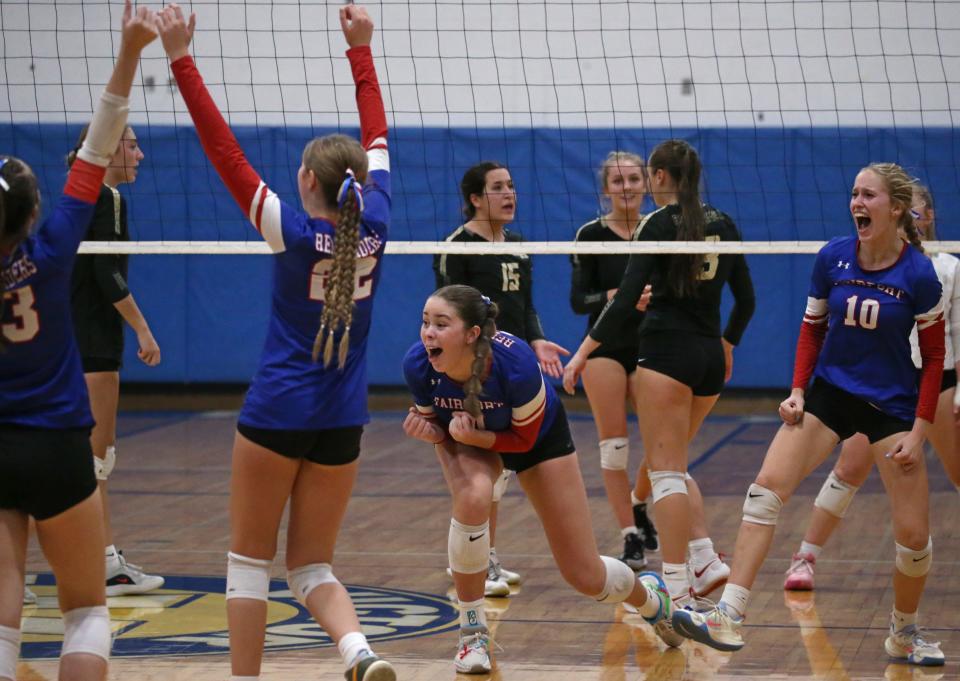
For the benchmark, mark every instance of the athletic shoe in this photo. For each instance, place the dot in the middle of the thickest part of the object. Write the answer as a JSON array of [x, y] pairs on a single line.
[[473, 653], [29, 597], [371, 668], [503, 574], [800, 575], [127, 578], [633, 552], [493, 586], [710, 577], [648, 533], [908, 645], [661, 621], [715, 628]]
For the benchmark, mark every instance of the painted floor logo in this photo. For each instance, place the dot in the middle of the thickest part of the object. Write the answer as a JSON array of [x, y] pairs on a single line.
[[188, 617]]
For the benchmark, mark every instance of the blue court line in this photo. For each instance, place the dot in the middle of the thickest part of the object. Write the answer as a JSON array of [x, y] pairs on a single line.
[[718, 445]]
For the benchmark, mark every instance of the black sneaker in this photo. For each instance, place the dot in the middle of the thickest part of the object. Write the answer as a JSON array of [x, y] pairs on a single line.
[[371, 668], [633, 552], [648, 532]]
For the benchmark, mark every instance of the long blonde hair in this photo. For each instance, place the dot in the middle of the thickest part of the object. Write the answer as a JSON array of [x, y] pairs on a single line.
[[900, 187]]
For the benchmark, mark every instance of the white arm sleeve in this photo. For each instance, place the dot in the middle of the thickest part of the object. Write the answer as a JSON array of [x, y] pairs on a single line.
[[106, 129]]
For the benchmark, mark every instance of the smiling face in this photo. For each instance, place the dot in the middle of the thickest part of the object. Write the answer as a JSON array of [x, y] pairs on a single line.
[[875, 215], [448, 341], [498, 203], [624, 186]]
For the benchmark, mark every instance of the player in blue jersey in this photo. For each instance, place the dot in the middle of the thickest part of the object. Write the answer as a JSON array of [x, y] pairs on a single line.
[[684, 359], [46, 463], [481, 400], [298, 436], [866, 294], [855, 461]]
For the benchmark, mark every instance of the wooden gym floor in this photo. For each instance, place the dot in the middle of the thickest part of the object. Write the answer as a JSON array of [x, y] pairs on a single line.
[[169, 497]]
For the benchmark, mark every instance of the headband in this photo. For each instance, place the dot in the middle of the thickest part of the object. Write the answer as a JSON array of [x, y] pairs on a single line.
[[3, 182]]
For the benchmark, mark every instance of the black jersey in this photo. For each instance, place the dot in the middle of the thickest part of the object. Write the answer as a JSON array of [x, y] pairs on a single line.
[[506, 279], [594, 275], [699, 313], [99, 281]]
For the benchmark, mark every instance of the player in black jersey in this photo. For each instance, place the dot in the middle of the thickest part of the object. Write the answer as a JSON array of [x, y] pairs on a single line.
[[490, 204], [684, 360], [101, 302]]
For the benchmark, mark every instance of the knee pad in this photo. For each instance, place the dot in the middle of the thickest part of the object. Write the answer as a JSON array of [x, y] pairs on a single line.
[[761, 506], [468, 547], [102, 468], [665, 483], [500, 486], [915, 563], [619, 583], [303, 580], [835, 495], [614, 454], [248, 577], [9, 652], [87, 630]]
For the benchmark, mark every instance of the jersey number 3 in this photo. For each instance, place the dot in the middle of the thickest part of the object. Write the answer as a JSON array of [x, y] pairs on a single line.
[[26, 323], [363, 279], [868, 316]]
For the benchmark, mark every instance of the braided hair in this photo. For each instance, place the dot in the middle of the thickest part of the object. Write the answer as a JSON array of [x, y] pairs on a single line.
[[19, 200], [340, 165], [900, 186], [475, 309], [682, 163]]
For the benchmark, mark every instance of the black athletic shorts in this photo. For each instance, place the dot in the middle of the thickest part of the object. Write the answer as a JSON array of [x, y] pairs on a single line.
[[556, 442], [44, 471], [693, 359], [626, 357], [846, 414], [329, 446], [93, 365], [949, 380]]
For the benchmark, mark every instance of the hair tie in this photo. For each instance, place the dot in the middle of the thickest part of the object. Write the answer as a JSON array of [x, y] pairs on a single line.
[[350, 184], [915, 214], [486, 301], [3, 182]]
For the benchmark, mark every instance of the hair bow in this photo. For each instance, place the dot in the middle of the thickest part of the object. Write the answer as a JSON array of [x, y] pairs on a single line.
[[350, 184]]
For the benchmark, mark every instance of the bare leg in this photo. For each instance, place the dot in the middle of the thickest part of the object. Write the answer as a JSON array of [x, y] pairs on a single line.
[[104, 389]]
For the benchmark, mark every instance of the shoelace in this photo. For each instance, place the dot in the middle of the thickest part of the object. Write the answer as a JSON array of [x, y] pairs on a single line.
[[916, 634]]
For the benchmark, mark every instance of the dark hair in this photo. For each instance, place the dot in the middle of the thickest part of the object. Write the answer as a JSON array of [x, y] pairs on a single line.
[[475, 182], [72, 154], [475, 309], [681, 162], [332, 159], [899, 186], [19, 198], [921, 191]]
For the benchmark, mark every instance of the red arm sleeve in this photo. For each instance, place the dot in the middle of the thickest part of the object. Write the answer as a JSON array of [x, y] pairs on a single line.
[[373, 119], [84, 180], [217, 139], [809, 343], [932, 352], [520, 438]]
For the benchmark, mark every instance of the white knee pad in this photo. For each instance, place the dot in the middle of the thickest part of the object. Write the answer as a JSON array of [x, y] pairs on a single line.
[[248, 577], [468, 547], [9, 652], [500, 486], [614, 454], [619, 583], [87, 630], [665, 483], [303, 580], [915, 563], [835, 496], [761, 506], [102, 468]]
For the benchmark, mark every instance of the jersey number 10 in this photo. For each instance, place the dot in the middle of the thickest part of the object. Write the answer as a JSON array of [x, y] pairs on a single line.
[[869, 313]]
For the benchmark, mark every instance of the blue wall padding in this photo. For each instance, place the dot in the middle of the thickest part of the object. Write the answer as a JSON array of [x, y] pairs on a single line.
[[209, 312]]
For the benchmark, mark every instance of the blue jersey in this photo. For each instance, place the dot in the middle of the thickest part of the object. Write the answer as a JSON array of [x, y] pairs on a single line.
[[291, 391], [867, 347], [41, 377], [514, 394]]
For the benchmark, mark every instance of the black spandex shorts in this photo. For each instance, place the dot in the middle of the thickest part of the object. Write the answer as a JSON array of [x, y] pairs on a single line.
[[846, 414], [626, 357], [695, 360], [329, 447], [44, 472], [96, 364], [949, 380], [556, 442]]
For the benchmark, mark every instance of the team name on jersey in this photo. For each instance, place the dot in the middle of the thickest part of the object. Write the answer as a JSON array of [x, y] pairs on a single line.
[[456, 403], [883, 288], [368, 245], [20, 269], [505, 341]]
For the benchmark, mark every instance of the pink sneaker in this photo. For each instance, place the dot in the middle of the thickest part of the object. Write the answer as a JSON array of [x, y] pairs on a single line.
[[800, 575]]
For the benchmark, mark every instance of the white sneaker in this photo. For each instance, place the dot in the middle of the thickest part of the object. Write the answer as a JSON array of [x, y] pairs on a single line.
[[909, 646], [715, 628], [710, 577], [493, 587], [508, 576], [29, 597], [126, 578], [473, 653]]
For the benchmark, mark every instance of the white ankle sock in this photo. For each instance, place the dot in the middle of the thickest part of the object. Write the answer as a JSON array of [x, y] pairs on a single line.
[[472, 616], [902, 619], [631, 529], [9, 651], [675, 577], [352, 646], [634, 500], [701, 551], [651, 606], [735, 599], [812, 549]]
